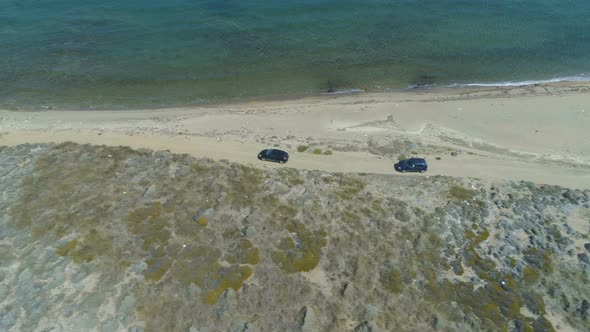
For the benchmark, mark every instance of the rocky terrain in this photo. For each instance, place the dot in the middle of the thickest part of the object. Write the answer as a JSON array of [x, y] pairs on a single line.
[[113, 239]]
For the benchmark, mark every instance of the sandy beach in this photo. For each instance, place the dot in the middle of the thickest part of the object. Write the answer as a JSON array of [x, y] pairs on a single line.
[[535, 133]]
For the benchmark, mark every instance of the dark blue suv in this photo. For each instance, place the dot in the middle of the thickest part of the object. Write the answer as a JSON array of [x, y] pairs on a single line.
[[276, 155], [411, 165]]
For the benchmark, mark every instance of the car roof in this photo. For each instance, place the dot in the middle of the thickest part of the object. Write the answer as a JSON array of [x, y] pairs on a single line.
[[417, 160], [275, 151]]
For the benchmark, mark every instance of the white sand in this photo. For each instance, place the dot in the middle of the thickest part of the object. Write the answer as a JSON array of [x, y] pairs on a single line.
[[537, 133]]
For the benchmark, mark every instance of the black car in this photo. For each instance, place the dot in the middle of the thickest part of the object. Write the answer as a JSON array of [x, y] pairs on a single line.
[[278, 156], [411, 165]]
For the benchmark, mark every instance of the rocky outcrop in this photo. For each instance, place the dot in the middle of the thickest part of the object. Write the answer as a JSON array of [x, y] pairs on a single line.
[[115, 239]]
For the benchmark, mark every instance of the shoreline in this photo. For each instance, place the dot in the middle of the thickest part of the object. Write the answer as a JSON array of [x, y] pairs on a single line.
[[564, 86], [535, 133]]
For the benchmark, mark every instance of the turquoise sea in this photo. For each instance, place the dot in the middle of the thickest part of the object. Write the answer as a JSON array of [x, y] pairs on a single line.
[[102, 54]]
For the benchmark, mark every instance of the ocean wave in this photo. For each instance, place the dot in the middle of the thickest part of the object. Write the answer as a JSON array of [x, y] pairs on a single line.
[[579, 78], [421, 86], [341, 92]]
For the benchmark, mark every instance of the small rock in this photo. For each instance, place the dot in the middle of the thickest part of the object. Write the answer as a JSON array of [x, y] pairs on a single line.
[[345, 290], [437, 323], [149, 191], [227, 304], [587, 246], [138, 268], [239, 325], [249, 231], [308, 320], [364, 327], [207, 213], [584, 258], [371, 312]]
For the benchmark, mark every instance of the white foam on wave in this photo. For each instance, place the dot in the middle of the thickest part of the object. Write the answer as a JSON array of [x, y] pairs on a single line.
[[421, 86], [579, 78]]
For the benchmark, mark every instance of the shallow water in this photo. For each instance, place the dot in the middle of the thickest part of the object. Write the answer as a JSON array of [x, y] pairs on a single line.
[[131, 54]]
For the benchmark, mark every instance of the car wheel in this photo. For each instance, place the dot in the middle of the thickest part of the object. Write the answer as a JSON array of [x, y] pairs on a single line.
[[422, 171], [403, 170], [281, 162]]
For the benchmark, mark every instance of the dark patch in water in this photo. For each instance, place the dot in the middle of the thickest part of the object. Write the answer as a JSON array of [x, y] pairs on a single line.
[[225, 8], [334, 85], [423, 81]]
